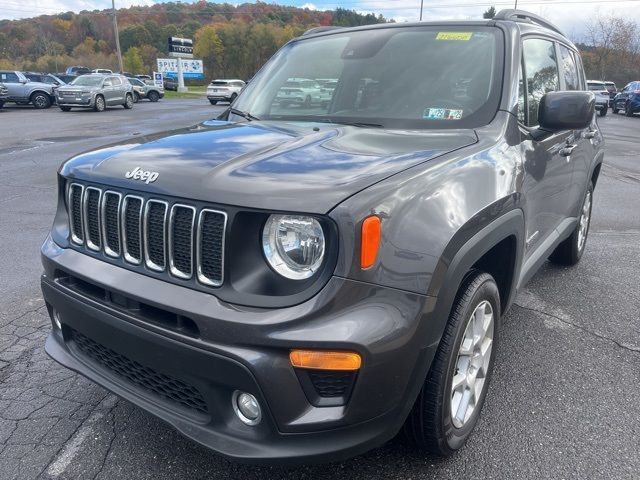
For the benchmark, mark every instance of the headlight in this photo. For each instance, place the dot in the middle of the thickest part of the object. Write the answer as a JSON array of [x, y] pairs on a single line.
[[293, 245]]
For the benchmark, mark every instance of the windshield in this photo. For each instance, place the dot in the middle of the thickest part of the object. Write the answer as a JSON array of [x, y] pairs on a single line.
[[594, 87], [407, 77], [88, 81]]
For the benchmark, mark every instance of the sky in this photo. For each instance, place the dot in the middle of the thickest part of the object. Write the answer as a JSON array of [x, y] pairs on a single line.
[[569, 15]]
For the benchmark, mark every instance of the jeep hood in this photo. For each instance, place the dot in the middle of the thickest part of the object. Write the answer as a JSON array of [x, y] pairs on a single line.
[[272, 165]]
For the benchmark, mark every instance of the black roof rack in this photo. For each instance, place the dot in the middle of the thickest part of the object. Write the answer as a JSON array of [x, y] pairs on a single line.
[[524, 16], [313, 30]]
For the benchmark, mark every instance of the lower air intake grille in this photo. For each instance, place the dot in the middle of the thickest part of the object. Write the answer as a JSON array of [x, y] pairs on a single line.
[[164, 386], [331, 383]]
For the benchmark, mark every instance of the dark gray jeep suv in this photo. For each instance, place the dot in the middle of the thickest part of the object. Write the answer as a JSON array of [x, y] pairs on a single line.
[[299, 283]]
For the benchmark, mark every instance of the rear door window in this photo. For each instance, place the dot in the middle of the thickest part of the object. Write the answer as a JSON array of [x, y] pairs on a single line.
[[9, 77], [541, 71]]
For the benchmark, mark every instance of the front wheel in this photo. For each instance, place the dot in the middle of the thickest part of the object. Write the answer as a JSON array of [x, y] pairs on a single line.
[[570, 251], [603, 112], [100, 104], [40, 100], [627, 110], [233, 98], [452, 396], [1, 103], [614, 109], [128, 102], [65, 109], [153, 96]]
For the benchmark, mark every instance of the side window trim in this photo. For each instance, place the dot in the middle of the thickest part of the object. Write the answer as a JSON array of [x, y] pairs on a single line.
[[551, 40]]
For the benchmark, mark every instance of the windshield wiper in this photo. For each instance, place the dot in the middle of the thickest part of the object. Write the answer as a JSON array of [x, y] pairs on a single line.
[[352, 124], [245, 115]]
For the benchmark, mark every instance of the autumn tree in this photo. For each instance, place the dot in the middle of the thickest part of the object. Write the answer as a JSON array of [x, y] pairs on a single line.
[[132, 60], [208, 47], [490, 12]]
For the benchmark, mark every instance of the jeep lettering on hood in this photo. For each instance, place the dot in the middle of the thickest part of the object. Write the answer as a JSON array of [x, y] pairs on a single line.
[[263, 164]]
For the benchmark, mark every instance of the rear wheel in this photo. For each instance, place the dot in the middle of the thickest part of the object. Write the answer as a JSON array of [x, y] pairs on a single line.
[[128, 101], [40, 100], [603, 111], [136, 97], [614, 109], [570, 251], [449, 404], [153, 96], [233, 98], [100, 105], [65, 109], [213, 102], [1, 103]]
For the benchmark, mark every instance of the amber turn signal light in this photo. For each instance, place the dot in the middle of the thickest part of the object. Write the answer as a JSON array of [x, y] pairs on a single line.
[[370, 243], [325, 360]]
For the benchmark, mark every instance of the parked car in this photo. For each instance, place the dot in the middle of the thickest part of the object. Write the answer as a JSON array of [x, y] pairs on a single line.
[[611, 88], [170, 83], [224, 90], [144, 77], [145, 90], [602, 96], [96, 91], [45, 78], [4, 94], [300, 91], [65, 78], [23, 91], [628, 100], [77, 70], [105, 71], [298, 286]]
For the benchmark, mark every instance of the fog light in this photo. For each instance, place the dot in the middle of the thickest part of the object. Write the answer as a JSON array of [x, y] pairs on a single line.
[[246, 407], [56, 319]]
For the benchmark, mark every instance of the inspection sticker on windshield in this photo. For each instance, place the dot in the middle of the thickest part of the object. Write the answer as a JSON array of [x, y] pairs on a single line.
[[442, 114], [460, 36]]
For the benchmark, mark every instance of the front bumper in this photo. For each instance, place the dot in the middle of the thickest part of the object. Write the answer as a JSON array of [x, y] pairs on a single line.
[[245, 349], [75, 102]]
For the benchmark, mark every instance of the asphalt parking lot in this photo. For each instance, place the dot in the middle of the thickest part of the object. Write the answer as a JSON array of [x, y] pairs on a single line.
[[563, 401]]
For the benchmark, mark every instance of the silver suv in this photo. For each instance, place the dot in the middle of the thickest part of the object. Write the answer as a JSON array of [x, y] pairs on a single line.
[[96, 91], [23, 91]]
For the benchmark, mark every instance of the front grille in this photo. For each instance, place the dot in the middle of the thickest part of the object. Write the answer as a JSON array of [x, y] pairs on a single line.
[[164, 386], [172, 238]]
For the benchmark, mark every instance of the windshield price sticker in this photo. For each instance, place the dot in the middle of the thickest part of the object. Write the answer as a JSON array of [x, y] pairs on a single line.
[[459, 36], [442, 114]]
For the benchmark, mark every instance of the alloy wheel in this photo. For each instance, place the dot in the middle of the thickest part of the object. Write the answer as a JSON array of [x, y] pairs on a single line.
[[585, 218], [472, 364]]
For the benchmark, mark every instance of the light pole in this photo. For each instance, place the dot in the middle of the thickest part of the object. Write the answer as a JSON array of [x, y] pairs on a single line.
[[115, 32], [421, 4]]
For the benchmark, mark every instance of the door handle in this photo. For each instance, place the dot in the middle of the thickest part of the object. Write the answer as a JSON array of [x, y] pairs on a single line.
[[566, 151], [590, 134]]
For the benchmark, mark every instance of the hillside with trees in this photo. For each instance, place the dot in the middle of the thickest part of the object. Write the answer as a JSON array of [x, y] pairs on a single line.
[[233, 41]]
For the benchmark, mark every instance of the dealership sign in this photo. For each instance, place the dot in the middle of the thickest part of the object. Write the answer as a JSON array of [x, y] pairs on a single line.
[[191, 69], [180, 47]]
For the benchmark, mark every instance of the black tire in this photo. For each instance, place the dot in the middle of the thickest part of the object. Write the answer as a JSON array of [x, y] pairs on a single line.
[[213, 102], [430, 424], [136, 97], [128, 101], [40, 100], [1, 103], [614, 109], [603, 112], [153, 96], [65, 109], [570, 251], [627, 110], [233, 98], [100, 104]]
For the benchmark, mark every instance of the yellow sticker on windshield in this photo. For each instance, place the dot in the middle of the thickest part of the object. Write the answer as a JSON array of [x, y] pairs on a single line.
[[460, 36]]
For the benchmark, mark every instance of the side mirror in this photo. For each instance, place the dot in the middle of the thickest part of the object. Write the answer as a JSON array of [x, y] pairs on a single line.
[[566, 110], [24, 80]]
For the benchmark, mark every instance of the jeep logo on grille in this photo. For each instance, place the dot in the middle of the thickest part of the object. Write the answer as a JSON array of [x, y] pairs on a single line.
[[146, 176]]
